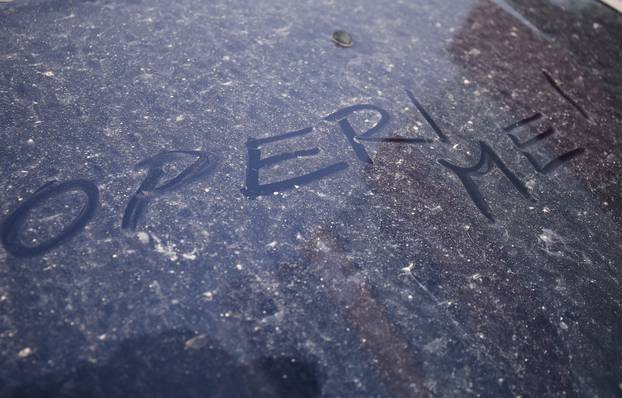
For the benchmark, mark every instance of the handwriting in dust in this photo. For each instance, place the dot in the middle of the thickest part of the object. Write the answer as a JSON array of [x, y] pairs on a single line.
[[152, 187]]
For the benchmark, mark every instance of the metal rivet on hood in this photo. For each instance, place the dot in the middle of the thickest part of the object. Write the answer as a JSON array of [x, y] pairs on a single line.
[[342, 38]]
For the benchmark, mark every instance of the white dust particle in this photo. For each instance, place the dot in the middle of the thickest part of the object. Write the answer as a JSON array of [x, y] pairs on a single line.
[[436, 345], [408, 269], [548, 236], [25, 352], [143, 237], [190, 256], [167, 250], [196, 342], [323, 247], [476, 276]]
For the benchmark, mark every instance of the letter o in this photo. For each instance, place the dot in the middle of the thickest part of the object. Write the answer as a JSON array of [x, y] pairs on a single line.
[[15, 221]]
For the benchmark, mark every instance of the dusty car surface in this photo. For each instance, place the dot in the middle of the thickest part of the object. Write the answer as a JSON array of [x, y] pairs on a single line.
[[310, 198]]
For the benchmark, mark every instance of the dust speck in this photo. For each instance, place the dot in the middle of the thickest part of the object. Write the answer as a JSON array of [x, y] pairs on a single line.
[[143, 237], [25, 352], [196, 342]]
